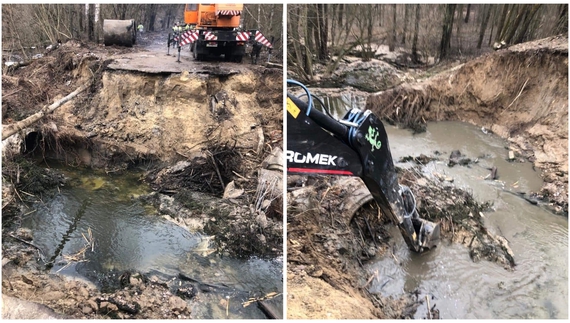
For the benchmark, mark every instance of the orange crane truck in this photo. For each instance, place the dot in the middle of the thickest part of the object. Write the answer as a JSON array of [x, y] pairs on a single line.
[[215, 31]]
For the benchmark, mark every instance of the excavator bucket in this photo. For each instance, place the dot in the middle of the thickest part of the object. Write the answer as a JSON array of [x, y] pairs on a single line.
[[429, 233]]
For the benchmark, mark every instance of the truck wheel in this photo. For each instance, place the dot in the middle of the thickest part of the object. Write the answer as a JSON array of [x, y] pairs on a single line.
[[238, 58]]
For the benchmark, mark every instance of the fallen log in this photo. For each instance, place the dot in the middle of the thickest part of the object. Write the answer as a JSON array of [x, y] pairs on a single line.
[[9, 130], [274, 65]]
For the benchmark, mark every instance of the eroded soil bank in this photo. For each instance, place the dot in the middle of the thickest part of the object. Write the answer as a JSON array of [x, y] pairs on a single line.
[[333, 231], [207, 131], [520, 94]]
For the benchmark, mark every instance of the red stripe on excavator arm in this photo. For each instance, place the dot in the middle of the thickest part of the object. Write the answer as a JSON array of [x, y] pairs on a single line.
[[320, 171]]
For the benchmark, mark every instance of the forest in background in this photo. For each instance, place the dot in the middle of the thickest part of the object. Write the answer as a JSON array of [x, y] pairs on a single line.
[[38, 25], [325, 33]]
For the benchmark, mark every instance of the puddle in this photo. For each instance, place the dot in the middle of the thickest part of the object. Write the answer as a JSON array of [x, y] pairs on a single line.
[[128, 235]]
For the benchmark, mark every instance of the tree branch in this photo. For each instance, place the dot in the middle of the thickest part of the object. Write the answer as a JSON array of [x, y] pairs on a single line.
[[9, 130]]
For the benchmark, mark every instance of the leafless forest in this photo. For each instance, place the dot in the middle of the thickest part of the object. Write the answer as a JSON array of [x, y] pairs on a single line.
[[25, 26], [324, 33]]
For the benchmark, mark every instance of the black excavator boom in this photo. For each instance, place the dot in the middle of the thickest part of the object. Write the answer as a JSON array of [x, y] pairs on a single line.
[[357, 145]]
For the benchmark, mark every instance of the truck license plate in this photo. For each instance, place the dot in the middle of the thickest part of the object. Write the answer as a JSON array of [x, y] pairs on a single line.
[[212, 44]]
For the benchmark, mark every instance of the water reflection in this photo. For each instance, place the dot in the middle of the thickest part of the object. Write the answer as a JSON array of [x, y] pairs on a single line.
[[130, 235]]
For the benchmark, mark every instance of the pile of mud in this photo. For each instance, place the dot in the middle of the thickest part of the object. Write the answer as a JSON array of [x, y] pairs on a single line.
[[520, 93]]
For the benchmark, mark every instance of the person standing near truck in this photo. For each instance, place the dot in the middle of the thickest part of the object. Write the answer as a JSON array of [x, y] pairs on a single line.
[[255, 51]]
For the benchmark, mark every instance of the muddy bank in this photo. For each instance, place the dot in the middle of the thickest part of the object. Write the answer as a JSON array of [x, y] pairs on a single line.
[[520, 93]]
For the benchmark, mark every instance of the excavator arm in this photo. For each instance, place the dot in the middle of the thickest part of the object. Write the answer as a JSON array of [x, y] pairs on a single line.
[[357, 145]]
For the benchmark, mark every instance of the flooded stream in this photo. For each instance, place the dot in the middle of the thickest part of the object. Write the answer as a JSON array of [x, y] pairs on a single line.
[[460, 288], [130, 236]]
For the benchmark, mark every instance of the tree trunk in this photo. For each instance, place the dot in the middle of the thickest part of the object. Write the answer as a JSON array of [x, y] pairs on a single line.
[[415, 39], [92, 25], [295, 56], [468, 13], [9, 130], [406, 20], [512, 27], [81, 22], [529, 16], [258, 17], [151, 16], [87, 22], [494, 9], [340, 15], [458, 30], [501, 23], [486, 14], [445, 43], [392, 45], [322, 31], [368, 54], [311, 34], [96, 22]]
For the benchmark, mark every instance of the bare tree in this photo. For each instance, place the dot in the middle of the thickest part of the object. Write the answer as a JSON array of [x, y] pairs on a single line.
[[501, 23], [392, 43], [416, 30], [458, 32], [486, 12], [523, 24], [406, 20], [494, 12], [447, 30], [467, 13]]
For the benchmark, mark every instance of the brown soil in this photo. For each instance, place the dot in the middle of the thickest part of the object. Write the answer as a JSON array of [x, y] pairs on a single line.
[[520, 93], [326, 249], [334, 228]]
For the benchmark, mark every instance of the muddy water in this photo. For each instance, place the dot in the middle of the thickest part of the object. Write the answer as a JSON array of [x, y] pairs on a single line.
[[460, 288], [130, 236]]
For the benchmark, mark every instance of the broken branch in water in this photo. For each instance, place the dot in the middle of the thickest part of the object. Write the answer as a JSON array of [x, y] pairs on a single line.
[[79, 256], [252, 300], [217, 170], [370, 279]]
